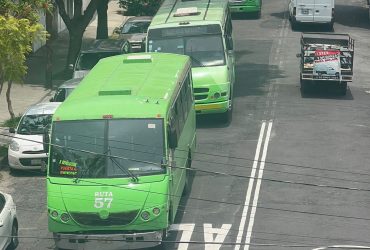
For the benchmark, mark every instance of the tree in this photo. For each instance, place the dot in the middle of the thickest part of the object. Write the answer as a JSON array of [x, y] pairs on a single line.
[[102, 28], [76, 25], [19, 27], [140, 7]]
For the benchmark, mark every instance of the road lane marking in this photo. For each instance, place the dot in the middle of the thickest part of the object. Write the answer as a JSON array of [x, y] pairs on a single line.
[[250, 187], [187, 231], [221, 233], [258, 187], [342, 247]]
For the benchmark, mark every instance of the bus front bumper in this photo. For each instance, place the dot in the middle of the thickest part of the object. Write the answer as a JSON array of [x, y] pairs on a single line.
[[108, 241], [212, 108]]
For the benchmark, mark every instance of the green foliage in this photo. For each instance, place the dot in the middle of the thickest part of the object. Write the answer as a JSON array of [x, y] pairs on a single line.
[[140, 7], [12, 122], [16, 37]]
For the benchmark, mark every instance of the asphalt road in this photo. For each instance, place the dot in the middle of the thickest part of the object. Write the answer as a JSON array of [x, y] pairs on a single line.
[[312, 152]]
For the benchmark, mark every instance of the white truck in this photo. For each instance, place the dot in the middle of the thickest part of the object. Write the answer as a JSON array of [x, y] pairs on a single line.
[[326, 58], [311, 11]]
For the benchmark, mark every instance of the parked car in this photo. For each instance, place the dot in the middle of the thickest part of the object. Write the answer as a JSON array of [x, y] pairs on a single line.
[[65, 89], [134, 30], [8, 222], [99, 49], [26, 150]]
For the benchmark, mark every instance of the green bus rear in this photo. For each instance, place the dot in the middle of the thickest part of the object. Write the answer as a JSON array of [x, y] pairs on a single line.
[[112, 176], [246, 6], [203, 31]]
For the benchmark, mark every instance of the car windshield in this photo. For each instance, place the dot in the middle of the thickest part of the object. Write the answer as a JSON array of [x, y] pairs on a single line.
[[135, 27], [204, 50], [34, 124], [87, 61], [107, 148]]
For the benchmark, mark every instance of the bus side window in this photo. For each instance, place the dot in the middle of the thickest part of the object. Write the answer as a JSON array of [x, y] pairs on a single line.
[[228, 34]]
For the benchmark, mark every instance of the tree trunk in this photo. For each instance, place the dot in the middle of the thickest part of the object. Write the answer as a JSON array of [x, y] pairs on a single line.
[[102, 28], [1, 84], [10, 108], [75, 41]]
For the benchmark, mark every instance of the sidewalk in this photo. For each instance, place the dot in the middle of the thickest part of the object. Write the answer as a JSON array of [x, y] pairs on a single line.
[[32, 90]]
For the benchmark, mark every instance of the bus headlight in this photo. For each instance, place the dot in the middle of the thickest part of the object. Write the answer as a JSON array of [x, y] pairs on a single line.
[[145, 215], [216, 95], [14, 146], [64, 217], [54, 213], [156, 211]]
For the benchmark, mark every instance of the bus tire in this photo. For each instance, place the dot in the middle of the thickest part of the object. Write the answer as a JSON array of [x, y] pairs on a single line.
[[331, 26], [187, 187]]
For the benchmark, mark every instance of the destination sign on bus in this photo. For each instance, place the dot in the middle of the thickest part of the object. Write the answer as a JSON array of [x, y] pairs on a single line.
[[185, 31]]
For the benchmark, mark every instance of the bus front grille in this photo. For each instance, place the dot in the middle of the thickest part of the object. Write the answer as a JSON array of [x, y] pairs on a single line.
[[114, 219]]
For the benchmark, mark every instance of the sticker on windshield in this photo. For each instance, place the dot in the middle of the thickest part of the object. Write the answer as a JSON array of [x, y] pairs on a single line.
[[67, 167], [151, 125]]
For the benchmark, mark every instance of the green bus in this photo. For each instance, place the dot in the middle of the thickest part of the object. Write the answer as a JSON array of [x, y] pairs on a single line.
[[246, 6], [202, 30], [120, 146]]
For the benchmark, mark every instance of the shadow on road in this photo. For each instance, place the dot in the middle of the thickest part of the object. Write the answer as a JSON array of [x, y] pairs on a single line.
[[327, 92], [245, 16], [352, 16]]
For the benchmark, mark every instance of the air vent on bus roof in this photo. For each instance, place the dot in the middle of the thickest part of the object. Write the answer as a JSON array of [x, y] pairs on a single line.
[[115, 92], [138, 59], [191, 11]]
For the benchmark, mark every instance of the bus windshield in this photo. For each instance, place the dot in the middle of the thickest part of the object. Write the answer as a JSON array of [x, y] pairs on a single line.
[[107, 148], [205, 50]]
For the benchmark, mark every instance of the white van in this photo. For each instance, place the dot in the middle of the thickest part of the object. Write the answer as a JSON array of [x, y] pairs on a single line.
[[311, 11]]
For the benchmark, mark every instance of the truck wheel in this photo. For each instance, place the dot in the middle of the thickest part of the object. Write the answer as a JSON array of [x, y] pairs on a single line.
[[187, 187], [343, 89], [294, 24], [331, 26], [304, 87]]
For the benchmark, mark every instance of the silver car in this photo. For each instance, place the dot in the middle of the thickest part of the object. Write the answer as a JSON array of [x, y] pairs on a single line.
[[65, 90], [134, 30], [8, 222]]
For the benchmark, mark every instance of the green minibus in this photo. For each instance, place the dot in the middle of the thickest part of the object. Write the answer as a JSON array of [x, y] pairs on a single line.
[[120, 149], [246, 6], [202, 30]]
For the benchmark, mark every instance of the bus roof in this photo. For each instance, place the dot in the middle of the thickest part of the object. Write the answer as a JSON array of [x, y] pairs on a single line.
[[181, 12], [127, 86]]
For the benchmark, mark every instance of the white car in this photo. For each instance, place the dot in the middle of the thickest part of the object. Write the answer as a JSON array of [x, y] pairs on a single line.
[[8, 222], [311, 11], [26, 150]]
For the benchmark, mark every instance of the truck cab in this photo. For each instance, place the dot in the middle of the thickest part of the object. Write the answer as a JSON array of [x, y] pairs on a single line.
[[311, 11]]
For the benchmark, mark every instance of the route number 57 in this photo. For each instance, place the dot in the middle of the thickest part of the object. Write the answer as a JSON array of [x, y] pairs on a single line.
[[103, 202]]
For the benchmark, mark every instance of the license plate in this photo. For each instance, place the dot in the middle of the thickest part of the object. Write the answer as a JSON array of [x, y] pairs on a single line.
[[305, 11], [36, 162]]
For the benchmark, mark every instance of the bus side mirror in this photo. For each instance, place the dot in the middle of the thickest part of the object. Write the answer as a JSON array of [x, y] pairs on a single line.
[[298, 55], [173, 140]]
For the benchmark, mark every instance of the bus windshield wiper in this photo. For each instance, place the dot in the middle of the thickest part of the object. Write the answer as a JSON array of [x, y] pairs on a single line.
[[123, 169]]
